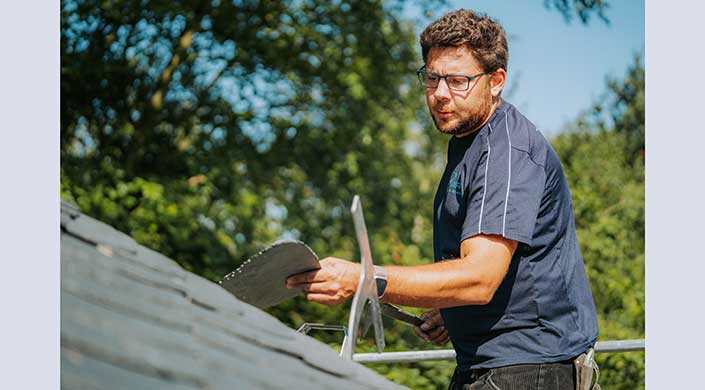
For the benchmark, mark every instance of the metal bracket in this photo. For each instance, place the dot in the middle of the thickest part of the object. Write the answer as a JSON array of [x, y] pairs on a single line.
[[308, 326], [366, 288]]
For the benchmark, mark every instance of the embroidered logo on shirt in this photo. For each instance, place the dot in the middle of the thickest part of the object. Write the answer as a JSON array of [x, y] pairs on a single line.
[[454, 186]]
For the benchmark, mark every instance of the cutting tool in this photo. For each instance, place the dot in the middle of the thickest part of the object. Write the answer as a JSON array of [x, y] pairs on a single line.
[[391, 311]]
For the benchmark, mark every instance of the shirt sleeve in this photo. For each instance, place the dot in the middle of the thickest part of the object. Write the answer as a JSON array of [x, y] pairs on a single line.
[[505, 193]]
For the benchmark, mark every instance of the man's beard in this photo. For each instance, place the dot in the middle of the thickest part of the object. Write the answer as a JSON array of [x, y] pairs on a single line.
[[473, 121]]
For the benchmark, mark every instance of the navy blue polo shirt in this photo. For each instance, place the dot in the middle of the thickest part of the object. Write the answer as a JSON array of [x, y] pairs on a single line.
[[505, 179]]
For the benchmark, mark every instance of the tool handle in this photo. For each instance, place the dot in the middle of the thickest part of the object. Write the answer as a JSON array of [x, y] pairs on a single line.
[[399, 314]]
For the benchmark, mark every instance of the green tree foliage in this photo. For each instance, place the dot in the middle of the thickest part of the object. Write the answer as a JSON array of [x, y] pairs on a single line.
[[582, 8], [208, 129]]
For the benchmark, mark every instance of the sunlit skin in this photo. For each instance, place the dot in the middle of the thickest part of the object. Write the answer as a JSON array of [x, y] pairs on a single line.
[[471, 279]]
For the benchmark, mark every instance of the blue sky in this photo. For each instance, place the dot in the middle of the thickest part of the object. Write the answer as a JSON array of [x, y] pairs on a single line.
[[558, 69]]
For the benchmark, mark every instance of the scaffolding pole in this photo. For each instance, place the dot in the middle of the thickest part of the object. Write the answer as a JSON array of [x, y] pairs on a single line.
[[449, 354]]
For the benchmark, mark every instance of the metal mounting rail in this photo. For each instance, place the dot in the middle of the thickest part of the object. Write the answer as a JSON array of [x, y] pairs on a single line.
[[449, 354]]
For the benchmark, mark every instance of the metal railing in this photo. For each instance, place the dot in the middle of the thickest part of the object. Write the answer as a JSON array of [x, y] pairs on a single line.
[[449, 354]]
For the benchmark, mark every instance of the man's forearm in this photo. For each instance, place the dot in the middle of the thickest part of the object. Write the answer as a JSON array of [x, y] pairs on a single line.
[[449, 283], [471, 280]]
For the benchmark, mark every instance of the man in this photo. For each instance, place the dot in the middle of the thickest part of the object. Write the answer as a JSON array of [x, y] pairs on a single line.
[[508, 276]]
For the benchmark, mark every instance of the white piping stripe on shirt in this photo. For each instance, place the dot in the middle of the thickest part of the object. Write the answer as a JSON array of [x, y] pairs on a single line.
[[509, 175], [484, 192]]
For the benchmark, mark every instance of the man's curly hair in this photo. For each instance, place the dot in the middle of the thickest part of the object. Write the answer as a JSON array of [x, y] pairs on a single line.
[[483, 36]]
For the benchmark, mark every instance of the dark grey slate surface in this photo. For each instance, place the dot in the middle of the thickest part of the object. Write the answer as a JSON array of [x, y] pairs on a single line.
[[261, 279], [133, 319]]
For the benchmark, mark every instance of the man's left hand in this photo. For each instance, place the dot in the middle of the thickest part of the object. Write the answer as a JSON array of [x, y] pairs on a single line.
[[432, 329], [333, 284]]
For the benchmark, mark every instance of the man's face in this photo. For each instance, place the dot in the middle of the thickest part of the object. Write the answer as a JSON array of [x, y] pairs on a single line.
[[457, 112]]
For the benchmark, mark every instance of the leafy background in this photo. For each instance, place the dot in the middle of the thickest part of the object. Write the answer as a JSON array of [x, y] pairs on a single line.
[[208, 129]]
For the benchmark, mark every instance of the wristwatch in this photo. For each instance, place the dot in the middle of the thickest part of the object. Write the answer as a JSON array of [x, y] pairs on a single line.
[[381, 280]]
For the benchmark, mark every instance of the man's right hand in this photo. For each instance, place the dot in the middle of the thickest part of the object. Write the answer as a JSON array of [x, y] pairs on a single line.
[[432, 328]]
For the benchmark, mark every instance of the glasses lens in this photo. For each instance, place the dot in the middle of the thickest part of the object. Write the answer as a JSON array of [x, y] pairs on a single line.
[[428, 80], [457, 83]]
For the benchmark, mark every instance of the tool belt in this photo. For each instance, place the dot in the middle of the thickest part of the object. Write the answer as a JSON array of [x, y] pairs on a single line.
[[585, 368]]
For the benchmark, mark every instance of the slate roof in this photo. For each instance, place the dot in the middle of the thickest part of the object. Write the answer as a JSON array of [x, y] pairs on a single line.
[[132, 318]]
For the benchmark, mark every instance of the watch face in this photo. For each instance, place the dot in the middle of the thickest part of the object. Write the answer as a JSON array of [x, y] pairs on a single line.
[[381, 286]]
